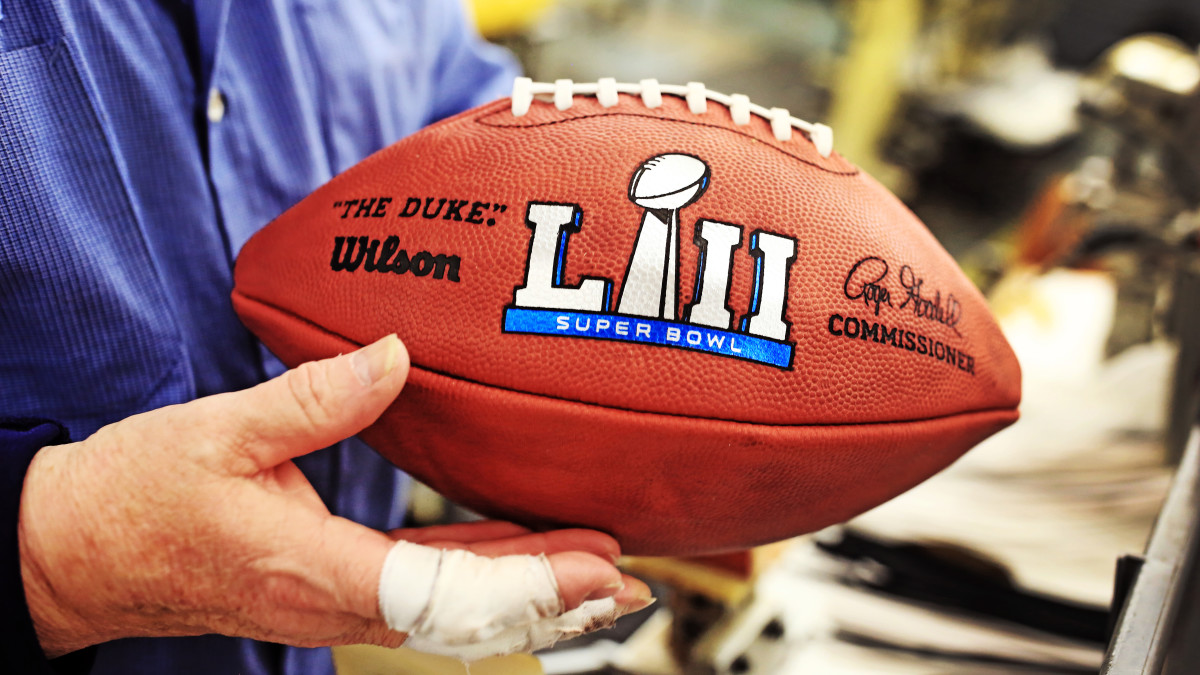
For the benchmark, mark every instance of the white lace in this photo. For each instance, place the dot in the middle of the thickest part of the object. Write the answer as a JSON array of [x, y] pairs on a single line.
[[697, 97]]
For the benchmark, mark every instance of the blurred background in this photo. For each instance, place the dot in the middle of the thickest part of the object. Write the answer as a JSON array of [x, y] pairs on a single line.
[[1053, 146]]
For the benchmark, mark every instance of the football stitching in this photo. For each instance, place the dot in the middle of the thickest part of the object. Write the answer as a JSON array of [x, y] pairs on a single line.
[[488, 113], [607, 91]]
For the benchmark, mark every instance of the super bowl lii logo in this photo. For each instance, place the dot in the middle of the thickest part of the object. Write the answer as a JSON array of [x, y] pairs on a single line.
[[646, 309]]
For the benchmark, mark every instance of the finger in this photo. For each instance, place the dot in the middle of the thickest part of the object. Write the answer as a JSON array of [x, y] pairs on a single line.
[[466, 533], [336, 560], [315, 405], [634, 594], [533, 543], [583, 576], [371, 632]]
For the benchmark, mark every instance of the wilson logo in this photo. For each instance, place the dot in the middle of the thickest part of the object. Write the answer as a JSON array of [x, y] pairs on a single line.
[[350, 253], [645, 312]]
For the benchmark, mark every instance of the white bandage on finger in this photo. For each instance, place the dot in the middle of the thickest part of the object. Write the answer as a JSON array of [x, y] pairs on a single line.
[[455, 603], [591, 615]]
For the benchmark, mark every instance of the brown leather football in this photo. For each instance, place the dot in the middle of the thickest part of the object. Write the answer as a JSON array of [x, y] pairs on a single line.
[[657, 311]]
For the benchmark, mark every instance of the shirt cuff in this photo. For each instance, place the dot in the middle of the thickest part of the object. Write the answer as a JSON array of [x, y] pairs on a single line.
[[20, 440]]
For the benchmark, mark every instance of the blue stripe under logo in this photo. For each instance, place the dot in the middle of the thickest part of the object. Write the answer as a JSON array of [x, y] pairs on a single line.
[[648, 331]]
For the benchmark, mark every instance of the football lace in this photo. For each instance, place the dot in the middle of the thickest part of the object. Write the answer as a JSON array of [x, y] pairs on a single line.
[[697, 97]]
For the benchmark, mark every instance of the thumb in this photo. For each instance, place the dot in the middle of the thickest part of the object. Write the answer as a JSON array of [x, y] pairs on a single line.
[[317, 404]]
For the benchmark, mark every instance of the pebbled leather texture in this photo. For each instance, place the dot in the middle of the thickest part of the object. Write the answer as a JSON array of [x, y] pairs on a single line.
[[673, 450]]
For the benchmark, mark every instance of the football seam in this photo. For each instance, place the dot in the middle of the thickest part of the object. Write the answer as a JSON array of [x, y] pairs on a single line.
[[481, 120], [434, 371]]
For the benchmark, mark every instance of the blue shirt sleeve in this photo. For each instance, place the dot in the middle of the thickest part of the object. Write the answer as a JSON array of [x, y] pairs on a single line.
[[20, 440], [141, 144]]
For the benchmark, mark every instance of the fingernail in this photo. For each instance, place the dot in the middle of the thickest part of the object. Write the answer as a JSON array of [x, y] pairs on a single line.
[[373, 362], [605, 592], [639, 604]]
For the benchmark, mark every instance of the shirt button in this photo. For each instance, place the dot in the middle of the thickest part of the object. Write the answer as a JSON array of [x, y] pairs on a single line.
[[216, 105]]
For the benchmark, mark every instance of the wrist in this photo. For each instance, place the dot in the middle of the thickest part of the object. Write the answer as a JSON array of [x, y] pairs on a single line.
[[44, 530]]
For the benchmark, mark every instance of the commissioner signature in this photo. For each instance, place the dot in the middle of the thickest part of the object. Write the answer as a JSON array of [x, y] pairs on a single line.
[[868, 281]]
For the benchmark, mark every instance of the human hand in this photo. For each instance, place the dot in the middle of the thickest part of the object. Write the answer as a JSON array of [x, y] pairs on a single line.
[[193, 519], [490, 589]]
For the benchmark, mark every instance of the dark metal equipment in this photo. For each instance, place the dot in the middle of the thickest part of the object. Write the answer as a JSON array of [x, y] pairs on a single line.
[[1158, 625]]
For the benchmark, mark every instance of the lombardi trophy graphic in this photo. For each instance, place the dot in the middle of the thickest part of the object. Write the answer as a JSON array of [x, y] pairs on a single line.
[[648, 309], [662, 185]]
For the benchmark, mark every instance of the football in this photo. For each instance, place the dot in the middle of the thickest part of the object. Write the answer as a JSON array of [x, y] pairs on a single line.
[[668, 182], [654, 310]]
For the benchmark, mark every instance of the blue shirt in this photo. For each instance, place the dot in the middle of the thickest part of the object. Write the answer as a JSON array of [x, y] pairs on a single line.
[[142, 142]]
